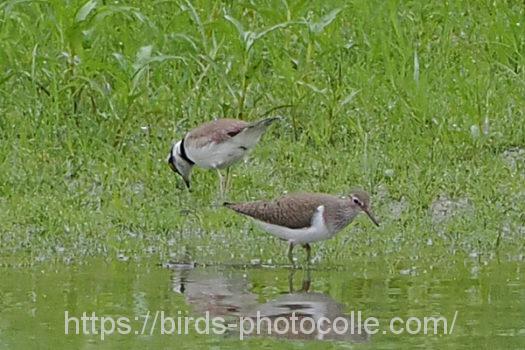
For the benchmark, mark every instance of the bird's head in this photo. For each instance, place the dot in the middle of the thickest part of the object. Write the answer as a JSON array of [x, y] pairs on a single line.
[[178, 164], [361, 200]]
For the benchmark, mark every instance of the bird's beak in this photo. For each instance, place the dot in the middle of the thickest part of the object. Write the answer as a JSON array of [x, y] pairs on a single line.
[[171, 163], [371, 216]]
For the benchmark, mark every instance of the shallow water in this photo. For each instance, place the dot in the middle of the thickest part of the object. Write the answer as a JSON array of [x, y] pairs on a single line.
[[488, 299]]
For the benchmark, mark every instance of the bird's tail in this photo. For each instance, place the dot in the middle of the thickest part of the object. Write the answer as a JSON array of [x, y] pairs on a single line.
[[253, 132], [238, 207]]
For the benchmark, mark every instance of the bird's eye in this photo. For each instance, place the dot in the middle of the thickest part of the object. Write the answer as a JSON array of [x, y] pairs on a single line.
[[356, 201]]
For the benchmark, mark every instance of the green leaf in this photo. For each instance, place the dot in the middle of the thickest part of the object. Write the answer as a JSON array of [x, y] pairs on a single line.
[[318, 27], [313, 87], [121, 60], [85, 10], [349, 98], [237, 24], [143, 55], [249, 37]]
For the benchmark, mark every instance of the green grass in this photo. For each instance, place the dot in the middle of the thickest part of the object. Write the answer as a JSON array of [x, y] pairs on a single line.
[[410, 100]]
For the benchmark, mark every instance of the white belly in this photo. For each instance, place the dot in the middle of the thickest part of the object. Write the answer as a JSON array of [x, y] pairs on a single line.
[[318, 231], [216, 156], [223, 154]]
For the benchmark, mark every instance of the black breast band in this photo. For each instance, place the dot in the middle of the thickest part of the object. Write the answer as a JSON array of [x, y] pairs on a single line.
[[183, 153]]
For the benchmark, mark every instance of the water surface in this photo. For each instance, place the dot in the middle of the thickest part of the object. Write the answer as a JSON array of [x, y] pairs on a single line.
[[488, 298]]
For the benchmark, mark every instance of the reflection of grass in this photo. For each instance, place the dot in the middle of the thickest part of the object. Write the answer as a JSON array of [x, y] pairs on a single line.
[[411, 102]]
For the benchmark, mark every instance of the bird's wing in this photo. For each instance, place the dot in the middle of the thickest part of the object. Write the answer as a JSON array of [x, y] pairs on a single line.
[[292, 211], [216, 131], [249, 136]]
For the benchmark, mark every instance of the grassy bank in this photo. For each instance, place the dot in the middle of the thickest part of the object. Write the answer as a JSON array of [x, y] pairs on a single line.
[[420, 103]]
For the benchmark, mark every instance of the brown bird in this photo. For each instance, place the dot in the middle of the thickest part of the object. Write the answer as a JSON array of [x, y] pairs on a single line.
[[216, 145], [303, 218]]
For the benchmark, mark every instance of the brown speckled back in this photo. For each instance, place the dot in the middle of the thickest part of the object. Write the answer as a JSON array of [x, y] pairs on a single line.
[[215, 131], [292, 211]]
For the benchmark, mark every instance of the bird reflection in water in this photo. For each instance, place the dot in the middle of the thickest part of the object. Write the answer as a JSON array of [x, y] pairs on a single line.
[[227, 294]]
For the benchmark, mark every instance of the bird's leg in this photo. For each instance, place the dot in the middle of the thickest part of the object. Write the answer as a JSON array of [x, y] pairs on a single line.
[[307, 279], [308, 249], [221, 185], [227, 181], [290, 280], [290, 253]]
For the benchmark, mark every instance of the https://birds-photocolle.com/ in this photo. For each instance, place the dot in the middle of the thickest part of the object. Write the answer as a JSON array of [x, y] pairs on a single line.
[[216, 145], [303, 218]]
